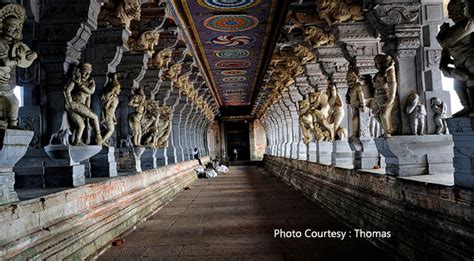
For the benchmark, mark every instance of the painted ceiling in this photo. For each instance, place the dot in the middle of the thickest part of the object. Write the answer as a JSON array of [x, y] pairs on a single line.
[[230, 38]]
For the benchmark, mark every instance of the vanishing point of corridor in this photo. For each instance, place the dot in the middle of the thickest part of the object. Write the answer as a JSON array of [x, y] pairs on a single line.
[[233, 217]]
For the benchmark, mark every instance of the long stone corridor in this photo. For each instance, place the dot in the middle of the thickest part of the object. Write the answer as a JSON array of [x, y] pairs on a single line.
[[233, 217]]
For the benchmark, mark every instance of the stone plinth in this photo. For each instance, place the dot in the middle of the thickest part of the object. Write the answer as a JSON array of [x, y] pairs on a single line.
[[68, 171], [104, 164], [342, 155], [148, 159], [366, 155], [13, 145], [312, 152], [137, 154], [462, 130], [417, 155], [161, 158], [325, 152]]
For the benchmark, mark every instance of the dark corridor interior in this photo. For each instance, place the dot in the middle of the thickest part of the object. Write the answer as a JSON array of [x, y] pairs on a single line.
[[237, 133]]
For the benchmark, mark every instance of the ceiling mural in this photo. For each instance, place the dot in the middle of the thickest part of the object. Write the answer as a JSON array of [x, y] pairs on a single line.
[[230, 39]]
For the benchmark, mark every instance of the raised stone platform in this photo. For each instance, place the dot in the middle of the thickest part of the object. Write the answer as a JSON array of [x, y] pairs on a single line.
[[417, 155], [76, 223], [427, 221]]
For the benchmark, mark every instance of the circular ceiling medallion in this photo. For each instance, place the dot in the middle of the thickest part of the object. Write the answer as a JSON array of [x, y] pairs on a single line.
[[234, 72], [228, 5], [232, 40], [234, 79], [234, 85], [232, 53], [231, 23], [233, 64]]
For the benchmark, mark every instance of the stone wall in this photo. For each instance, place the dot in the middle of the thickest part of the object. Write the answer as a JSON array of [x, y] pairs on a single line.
[[76, 223], [428, 222]]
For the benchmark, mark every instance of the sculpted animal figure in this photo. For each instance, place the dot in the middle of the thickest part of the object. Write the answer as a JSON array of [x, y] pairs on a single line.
[[146, 42], [304, 54], [317, 37], [339, 11], [120, 13]]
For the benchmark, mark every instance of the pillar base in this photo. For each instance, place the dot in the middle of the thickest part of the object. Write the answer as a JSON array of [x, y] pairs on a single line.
[[342, 155], [417, 155], [137, 154], [366, 155], [67, 170], [462, 130], [104, 163], [325, 152], [13, 145], [312, 152], [148, 159], [7, 187], [64, 176]]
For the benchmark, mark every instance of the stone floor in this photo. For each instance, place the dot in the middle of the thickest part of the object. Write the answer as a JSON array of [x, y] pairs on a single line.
[[233, 217]]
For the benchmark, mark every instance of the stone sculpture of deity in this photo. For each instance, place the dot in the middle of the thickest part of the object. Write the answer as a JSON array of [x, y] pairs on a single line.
[[137, 101], [78, 93], [356, 99], [417, 113], [440, 110], [13, 53], [110, 101], [385, 84]]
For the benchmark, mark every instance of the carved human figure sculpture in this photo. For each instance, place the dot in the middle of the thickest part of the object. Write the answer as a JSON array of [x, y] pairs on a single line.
[[149, 123], [417, 113], [336, 113], [356, 98], [110, 102], [13, 53], [457, 58], [137, 101], [78, 93], [440, 114], [385, 84], [306, 120], [164, 127]]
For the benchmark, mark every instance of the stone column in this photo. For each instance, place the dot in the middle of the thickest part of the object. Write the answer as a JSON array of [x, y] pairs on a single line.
[[401, 30]]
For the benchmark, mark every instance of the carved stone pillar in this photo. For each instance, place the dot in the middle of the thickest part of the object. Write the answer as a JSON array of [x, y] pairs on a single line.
[[400, 26]]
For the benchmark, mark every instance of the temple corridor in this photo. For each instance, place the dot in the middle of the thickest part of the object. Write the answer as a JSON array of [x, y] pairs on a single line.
[[233, 217]]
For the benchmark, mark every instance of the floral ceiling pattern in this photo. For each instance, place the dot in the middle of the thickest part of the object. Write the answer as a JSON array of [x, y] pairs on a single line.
[[230, 37]]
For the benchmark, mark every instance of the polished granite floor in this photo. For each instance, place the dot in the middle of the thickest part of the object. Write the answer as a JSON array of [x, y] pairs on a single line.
[[233, 217]]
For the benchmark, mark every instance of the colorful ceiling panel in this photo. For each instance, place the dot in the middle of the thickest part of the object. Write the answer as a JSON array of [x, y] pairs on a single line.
[[230, 39]]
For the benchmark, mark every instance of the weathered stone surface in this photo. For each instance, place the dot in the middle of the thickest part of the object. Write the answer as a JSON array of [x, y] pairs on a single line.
[[417, 155], [13, 145], [416, 213], [104, 163], [76, 223], [342, 155], [462, 130], [325, 152]]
